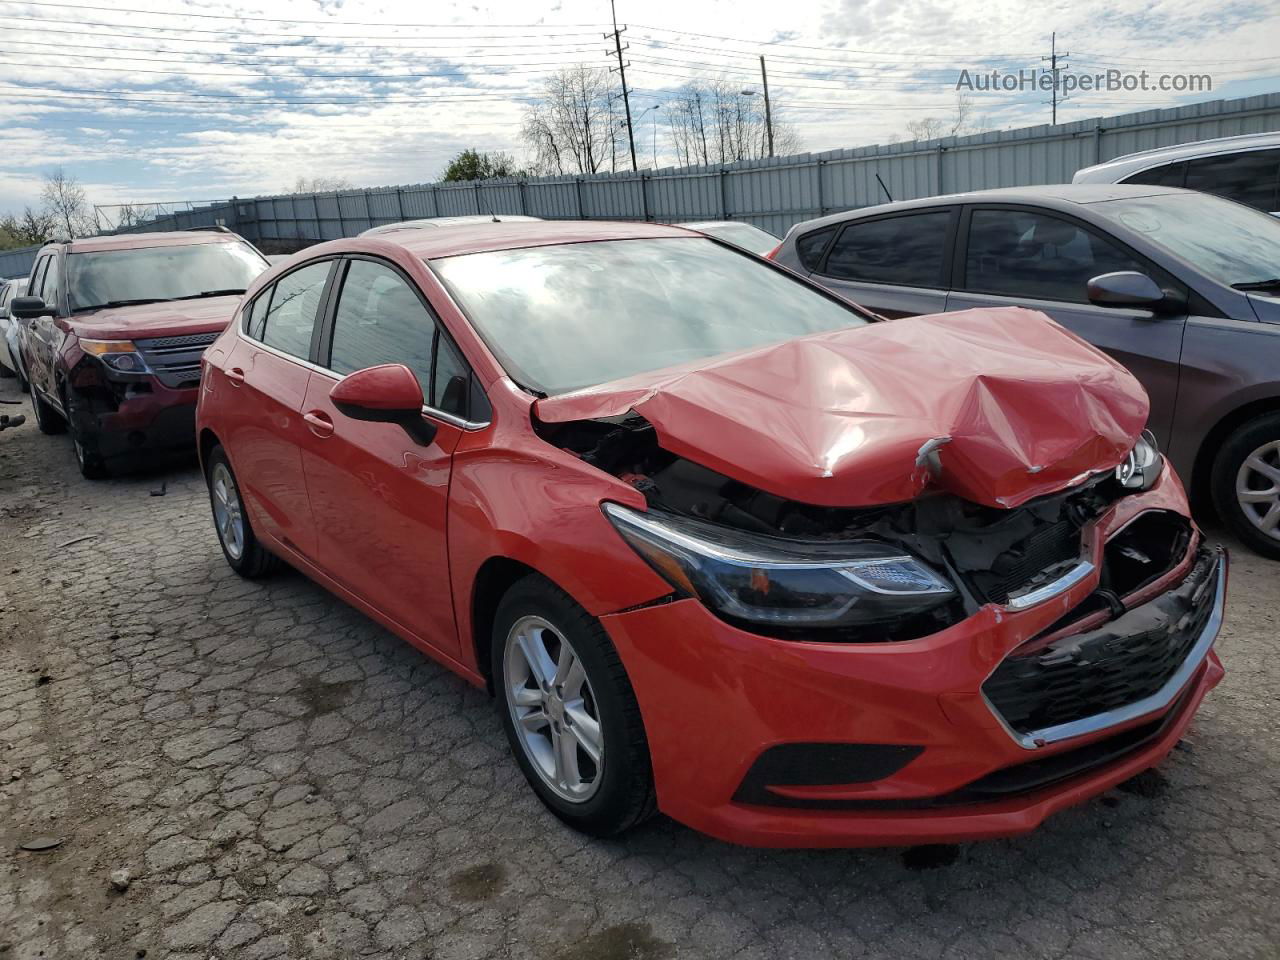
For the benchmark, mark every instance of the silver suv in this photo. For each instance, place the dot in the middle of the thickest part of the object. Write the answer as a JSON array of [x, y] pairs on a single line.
[[1245, 169]]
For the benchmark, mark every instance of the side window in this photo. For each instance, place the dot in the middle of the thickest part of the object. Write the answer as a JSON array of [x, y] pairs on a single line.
[[1170, 175], [811, 246], [452, 381], [381, 320], [1248, 178], [906, 250], [255, 312], [290, 318], [37, 276], [1021, 254], [49, 285]]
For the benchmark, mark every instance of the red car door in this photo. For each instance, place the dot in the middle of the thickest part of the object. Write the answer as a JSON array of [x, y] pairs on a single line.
[[379, 499], [270, 363]]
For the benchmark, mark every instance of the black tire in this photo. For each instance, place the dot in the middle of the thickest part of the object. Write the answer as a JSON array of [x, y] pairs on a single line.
[[7, 373], [49, 420], [625, 794], [90, 462], [1239, 447], [253, 560]]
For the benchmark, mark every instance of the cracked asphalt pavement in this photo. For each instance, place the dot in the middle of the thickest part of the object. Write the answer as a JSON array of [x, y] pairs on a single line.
[[281, 777]]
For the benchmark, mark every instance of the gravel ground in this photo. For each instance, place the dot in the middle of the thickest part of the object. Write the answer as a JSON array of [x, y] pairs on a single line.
[[283, 778]]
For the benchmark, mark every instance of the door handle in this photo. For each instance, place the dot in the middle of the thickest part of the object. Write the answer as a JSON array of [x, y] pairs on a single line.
[[319, 424], [235, 376]]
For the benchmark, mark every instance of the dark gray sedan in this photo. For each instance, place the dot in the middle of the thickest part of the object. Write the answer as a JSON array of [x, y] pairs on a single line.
[[1181, 287]]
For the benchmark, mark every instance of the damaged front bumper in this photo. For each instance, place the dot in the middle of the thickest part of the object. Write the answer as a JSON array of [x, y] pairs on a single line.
[[980, 730]]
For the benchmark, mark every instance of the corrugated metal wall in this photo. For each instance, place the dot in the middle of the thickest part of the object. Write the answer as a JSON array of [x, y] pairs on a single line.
[[774, 193], [17, 263]]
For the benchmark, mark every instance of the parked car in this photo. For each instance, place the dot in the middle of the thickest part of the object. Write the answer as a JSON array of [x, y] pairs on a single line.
[[745, 235], [1182, 288], [444, 222], [113, 330], [1245, 169], [10, 354], [717, 541]]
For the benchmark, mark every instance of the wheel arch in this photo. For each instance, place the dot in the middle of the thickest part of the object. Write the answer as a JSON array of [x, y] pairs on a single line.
[[495, 577], [1217, 435]]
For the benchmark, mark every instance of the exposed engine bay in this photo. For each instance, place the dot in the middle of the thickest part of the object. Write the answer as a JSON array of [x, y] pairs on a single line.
[[991, 555]]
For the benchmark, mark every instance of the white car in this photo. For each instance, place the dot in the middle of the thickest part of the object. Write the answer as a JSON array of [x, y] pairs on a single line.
[[1245, 169], [10, 355]]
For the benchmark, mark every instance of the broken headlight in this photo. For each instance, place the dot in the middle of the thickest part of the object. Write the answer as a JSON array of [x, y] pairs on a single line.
[[756, 579], [1141, 468]]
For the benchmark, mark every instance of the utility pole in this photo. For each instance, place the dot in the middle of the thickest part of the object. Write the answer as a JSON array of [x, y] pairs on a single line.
[[622, 73], [768, 112], [1054, 59]]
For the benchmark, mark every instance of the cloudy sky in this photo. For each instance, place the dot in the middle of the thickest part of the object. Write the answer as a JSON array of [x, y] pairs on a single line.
[[165, 100]]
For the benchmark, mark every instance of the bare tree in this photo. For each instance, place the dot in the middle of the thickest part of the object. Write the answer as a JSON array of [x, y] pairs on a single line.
[[574, 128], [64, 201], [319, 185], [961, 122], [717, 122]]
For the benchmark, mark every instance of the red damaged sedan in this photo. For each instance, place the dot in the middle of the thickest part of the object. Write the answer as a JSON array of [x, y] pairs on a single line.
[[719, 543]]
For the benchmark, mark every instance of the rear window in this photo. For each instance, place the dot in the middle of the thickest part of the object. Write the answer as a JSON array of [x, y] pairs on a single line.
[[172, 272], [907, 250]]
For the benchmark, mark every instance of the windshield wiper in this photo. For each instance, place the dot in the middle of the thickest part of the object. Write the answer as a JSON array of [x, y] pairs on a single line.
[[213, 293], [122, 303], [1272, 284]]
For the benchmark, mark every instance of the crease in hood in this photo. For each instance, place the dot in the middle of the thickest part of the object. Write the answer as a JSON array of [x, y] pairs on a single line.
[[1017, 405], [163, 319]]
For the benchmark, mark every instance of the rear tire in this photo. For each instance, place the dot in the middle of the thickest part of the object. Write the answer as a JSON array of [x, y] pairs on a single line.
[[1246, 484], [245, 555], [580, 741], [48, 419]]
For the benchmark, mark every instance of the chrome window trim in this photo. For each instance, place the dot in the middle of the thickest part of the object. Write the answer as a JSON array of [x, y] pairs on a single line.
[[469, 425], [1159, 700]]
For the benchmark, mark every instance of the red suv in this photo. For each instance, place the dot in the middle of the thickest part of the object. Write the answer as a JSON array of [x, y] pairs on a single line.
[[111, 335], [720, 543]]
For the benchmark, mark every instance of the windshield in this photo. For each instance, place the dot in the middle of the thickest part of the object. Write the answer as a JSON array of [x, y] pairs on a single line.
[[1232, 243], [575, 315], [742, 235], [169, 272]]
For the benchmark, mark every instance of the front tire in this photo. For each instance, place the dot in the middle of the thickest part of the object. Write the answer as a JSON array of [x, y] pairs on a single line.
[[245, 555], [90, 462], [1246, 484], [48, 419], [569, 711]]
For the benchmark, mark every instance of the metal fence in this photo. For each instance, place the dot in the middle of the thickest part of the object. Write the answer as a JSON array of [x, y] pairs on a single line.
[[774, 193]]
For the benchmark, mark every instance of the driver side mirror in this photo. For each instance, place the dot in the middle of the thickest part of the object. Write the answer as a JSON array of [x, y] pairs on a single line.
[[27, 308], [1128, 288], [388, 393]]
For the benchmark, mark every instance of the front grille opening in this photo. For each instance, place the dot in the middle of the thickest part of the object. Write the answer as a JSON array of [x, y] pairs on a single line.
[[1113, 666], [1144, 551]]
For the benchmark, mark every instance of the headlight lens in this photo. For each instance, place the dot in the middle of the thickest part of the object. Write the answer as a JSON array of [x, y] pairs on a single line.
[[119, 355], [781, 583], [1141, 468]]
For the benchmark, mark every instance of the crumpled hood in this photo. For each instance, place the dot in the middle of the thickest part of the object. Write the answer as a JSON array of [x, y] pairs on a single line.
[[839, 419], [167, 319]]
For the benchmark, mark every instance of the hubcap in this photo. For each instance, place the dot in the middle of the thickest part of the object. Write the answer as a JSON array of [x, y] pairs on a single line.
[[228, 515], [553, 709], [1258, 488]]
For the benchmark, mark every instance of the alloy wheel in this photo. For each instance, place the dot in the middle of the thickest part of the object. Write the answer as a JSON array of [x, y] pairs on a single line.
[[1258, 488], [553, 709], [228, 513]]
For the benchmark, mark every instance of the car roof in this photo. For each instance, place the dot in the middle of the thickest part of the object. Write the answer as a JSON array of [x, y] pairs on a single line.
[[136, 241], [1062, 196], [431, 244], [706, 224], [446, 222], [1131, 163]]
